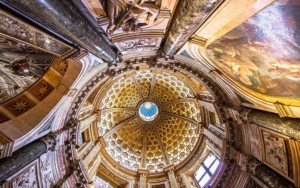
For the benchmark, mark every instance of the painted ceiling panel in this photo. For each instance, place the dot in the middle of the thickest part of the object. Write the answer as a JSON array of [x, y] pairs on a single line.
[[263, 53]]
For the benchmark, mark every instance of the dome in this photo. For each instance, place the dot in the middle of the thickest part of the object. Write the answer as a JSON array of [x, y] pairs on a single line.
[[149, 94], [138, 143]]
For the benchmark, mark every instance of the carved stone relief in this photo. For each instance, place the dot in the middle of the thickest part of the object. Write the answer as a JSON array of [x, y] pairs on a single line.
[[72, 181], [62, 166], [255, 142], [139, 45], [287, 126], [276, 152], [130, 15], [28, 179], [46, 171], [133, 25]]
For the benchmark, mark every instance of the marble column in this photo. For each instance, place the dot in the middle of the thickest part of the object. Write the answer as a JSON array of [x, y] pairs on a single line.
[[286, 126], [267, 175], [190, 15], [65, 19], [24, 156], [94, 23]]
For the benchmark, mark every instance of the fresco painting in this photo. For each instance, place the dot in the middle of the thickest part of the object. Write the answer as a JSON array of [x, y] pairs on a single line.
[[263, 53]]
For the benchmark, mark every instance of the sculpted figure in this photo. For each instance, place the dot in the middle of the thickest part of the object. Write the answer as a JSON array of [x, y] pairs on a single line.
[[114, 10], [130, 15]]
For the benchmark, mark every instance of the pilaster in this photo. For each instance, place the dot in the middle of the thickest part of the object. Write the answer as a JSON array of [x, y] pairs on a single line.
[[143, 173], [171, 175]]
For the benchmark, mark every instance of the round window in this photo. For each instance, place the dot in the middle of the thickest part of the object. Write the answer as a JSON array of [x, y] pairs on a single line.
[[148, 111]]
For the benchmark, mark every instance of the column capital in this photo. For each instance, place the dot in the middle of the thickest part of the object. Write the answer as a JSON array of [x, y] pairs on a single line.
[[244, 112], [143, 178], [52, 141], [102, 142], [252, 164], [172, 179], [143, 172], [169, 168], [247, 163]]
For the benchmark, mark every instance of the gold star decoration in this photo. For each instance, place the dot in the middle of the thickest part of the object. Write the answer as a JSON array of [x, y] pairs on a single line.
[[21, 106], [42, 90], [62, 65]]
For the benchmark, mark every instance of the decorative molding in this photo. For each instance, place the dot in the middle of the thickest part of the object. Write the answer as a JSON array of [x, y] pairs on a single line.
[[283, 110], [164, 13], [6, 150], [197, 40]]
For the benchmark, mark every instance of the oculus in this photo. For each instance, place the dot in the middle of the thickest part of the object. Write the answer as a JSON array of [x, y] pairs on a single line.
[[148, 111]]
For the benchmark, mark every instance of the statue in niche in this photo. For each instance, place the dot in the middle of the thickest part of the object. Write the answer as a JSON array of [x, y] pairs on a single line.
[[130, 15]]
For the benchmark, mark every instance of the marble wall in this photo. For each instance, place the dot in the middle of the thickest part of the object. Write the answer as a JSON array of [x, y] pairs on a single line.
[[41, 173]]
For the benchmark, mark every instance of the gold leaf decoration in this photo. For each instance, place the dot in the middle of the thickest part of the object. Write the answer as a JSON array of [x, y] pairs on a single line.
[[62, 65], [43, 90], [21, 106]]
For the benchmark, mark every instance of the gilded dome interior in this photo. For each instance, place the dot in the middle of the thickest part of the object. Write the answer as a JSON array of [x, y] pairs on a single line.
[[137, 144], [149, 93]]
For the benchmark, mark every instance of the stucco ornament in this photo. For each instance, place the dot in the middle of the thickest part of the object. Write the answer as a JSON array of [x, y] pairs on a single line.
[[27, 180]]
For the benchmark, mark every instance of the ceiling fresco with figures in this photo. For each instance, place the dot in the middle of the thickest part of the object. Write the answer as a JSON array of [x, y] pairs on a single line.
[[167, 139], [133, 26], [263, 52]]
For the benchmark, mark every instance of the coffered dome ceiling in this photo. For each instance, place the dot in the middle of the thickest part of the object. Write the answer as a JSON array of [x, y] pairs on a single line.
[[168, 139]]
